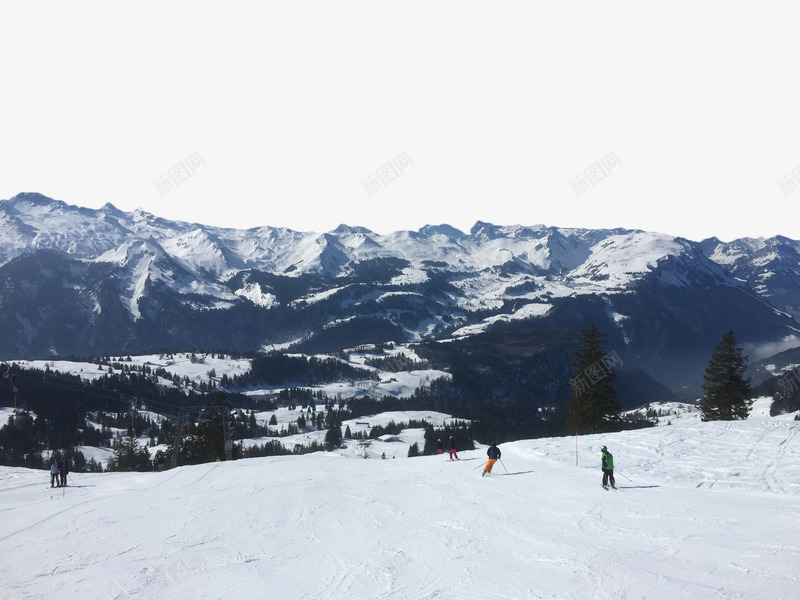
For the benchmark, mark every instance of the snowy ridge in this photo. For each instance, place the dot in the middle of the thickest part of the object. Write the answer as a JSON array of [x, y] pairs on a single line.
[[771, 267], [147, 262], [703, 510], [574, 255]]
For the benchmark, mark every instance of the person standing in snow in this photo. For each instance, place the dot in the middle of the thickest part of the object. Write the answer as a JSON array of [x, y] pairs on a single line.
[[607, 460], [440, 447], [63, 468], [453, 454], [494, 455], [54, 474]]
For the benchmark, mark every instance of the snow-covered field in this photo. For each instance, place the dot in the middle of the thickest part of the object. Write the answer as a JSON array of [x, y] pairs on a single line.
[[207, 368], [396, 448], [703, 510]]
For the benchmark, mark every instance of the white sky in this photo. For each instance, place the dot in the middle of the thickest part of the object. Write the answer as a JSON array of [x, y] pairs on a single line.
[[292, 105]]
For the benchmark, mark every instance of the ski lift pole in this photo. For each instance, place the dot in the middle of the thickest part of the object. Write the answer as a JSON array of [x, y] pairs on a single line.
[[16, 389], [13, 385], [226, 428], [176, 448]]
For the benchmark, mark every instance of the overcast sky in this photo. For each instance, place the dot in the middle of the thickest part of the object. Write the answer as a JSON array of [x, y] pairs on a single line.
[[677, 117]]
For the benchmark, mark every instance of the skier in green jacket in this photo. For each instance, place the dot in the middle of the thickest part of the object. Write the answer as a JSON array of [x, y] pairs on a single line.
[[608, 468]]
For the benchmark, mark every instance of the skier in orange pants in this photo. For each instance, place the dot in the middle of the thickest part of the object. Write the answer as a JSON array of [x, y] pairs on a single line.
[[494, 455]]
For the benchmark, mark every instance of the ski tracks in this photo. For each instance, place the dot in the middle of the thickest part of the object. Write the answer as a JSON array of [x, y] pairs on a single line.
[[779, 469]]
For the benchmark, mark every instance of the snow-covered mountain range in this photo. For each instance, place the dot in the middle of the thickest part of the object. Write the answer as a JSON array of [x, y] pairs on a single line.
[[87, 282]]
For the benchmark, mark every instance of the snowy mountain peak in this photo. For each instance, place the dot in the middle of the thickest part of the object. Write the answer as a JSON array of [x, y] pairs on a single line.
[[204, 251], [447, 231], [111, 210], [347, 229], [486, 231], [35, 204]]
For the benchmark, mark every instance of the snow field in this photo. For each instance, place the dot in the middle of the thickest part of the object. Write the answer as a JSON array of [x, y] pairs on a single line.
[[709, 511]]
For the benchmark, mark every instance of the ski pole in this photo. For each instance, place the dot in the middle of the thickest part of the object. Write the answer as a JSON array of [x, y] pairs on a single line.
[[628, 478], [504, 465], [481, 465]]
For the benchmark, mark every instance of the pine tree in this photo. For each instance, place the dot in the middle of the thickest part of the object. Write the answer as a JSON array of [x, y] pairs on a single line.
[[130, 457], [333, 437], [595, 407], [726, 391]]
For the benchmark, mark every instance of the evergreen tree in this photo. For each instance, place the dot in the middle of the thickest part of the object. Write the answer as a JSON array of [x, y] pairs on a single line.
[[594, 408], [727, 394], [130, 457], [18, 444], [333, 438]]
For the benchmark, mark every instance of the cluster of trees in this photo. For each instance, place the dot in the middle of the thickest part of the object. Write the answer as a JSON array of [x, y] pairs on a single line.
[[129, 456], [125, 365], [275, 368], [397, 363], [59, 412], [391, 428], [595, 409], [20, 447]]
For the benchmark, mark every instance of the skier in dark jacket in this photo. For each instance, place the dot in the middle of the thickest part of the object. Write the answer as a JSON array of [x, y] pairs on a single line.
[[63, 470], [608, 468], [453, 453], [494, 455], [439, 447]]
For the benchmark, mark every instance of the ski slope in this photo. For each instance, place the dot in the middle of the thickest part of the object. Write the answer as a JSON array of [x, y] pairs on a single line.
[[703, 510]]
